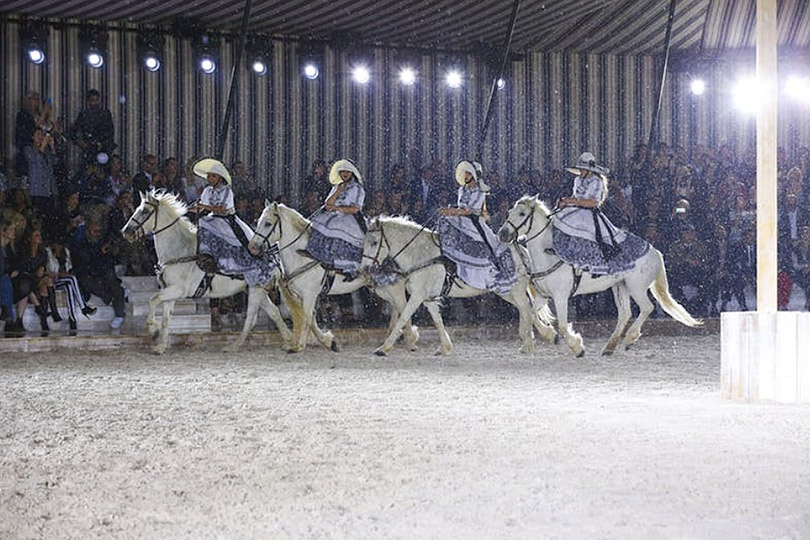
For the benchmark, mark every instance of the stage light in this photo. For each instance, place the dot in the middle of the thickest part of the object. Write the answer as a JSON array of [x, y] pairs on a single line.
[[93, 44], [36, 56], [310, 56], [407, 76], [208, 65], [453, 79], [95, 59], [798, 88], [501, 84], [697, 87], [152, 63], [361, 74], [747, 95], [34, 41], [150, 49], [311, 71], [259, 67]]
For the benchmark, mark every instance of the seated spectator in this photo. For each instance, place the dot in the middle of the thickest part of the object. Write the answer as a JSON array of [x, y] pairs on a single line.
[[171, 174], [60, 269], [17, 211], [96, 190], [687, 266], [6, 288], [801, 264], [94, 266], [30, 280], [119, 179], [191, 186]]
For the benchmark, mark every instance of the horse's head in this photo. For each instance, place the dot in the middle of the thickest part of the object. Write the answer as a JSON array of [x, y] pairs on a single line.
[[526, 216], [375, 246], [268, 229], [144, 219]]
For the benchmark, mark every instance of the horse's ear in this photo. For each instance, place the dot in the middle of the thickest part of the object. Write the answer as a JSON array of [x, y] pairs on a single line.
[[267, 202]]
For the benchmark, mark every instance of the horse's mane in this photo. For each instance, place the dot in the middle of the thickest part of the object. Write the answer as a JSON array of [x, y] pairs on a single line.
[[299, 221], [175, 205], [535, 201], [402, 221]]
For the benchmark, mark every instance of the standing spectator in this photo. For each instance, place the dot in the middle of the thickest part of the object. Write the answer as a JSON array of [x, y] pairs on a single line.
[[741, 266], [143, 180], [93, 130], [28, 117], [40, 157], [426, 191], [317, 180], [687, 268], [94, 265]]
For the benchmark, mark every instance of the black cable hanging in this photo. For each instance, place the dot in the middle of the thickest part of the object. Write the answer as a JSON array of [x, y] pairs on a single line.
[[240, 51], [657, 112], [482, 135]]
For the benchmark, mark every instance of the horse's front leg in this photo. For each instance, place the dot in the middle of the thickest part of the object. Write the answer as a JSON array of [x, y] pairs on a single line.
[[151, 322], [163, 340], [303, 314], [256, 295], [404, 318], [518, 298], [572, 338], [396, 298]]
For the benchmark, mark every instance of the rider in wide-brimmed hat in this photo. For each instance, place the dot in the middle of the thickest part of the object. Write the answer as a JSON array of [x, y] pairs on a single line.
[[339, 231], [583, 236], [223, 236], [483, 261]]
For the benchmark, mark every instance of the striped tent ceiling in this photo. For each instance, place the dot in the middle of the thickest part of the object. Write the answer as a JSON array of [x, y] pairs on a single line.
[[596, 26]]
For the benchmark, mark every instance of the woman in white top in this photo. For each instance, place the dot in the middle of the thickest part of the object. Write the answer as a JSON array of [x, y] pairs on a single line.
[[223, 237], [483, 261]]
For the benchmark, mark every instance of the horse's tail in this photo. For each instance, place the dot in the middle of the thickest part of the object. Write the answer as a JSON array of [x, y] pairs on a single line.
[[660, 290]]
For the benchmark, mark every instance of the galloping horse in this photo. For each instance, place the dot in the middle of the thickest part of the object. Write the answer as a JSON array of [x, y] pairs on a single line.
[[164, 215], [554, 278], [412, 253], [304, 278]]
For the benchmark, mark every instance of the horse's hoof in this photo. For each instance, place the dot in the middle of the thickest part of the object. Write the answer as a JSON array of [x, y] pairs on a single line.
[[556, 339], [160, 350], [380, 352], [413, 348], [607, 352], [581, 353], [335, 346]]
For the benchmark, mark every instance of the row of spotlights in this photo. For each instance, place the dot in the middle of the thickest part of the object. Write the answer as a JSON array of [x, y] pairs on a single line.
[[748, 92]]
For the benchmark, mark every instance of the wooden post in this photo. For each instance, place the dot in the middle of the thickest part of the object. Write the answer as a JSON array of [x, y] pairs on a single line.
[[766, 157]]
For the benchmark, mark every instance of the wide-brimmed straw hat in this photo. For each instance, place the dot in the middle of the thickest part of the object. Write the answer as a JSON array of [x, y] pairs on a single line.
[[211, 165], [462, 169], [343, 165], [587, 161]]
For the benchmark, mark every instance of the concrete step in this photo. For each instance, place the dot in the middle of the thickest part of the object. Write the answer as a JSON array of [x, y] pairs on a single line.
[[140, 283], [180, 308], [180, 323]]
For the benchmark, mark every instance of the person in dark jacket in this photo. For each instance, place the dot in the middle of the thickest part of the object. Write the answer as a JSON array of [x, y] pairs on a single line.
[[93, 130]]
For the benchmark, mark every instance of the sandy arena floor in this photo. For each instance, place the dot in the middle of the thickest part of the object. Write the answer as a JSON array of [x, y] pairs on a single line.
[[486, 444]]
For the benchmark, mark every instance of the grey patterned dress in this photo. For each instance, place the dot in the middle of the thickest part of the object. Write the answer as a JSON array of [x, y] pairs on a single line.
[[483, 263], [218, 238], [337, 239], [577, 242]]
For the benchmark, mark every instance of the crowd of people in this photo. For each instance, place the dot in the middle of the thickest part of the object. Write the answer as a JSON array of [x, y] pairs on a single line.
[[61, 224]]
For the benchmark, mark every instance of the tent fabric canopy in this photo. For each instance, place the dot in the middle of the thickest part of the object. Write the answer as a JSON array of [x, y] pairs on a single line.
[[634, 27]]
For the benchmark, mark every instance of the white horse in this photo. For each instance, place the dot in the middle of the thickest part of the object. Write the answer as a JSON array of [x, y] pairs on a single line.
[[305, 279], [556, 279], [412, 252], [164, 215]]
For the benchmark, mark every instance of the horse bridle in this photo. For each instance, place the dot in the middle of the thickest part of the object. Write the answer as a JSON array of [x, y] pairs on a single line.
[[266, 237], [530, 219], [376, 259], [155, 230]]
